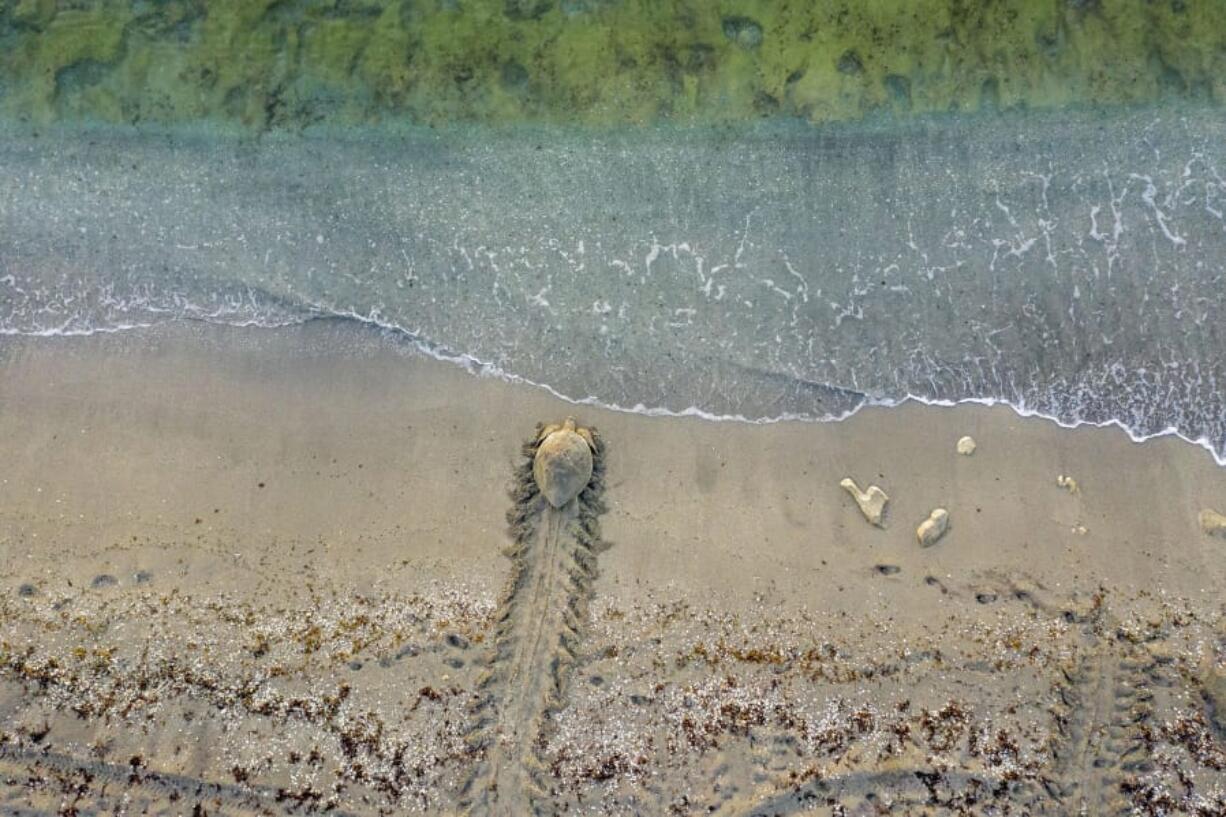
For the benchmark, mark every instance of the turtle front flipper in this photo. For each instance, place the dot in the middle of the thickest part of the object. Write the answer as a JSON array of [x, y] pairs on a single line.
[[589, 436], [545, 430]]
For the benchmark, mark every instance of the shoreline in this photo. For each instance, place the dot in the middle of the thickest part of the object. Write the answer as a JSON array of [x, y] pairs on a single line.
[[274, 543], [863, 440], [394, 335]]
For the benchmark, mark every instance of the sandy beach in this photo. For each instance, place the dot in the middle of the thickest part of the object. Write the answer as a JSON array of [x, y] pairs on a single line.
[[251, 571]]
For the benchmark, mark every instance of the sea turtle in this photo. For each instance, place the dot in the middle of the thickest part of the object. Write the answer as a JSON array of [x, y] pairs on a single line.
[[562, 466]]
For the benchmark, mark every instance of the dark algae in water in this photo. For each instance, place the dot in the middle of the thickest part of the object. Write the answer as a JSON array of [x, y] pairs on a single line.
[[293, 63]]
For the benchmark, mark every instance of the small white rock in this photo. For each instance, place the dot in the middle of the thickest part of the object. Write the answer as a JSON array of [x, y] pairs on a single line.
[[1068, 483], [933, 528], [871, 502], [966, 446]]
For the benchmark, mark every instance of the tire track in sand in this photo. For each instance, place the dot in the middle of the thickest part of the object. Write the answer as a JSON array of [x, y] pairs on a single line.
[[537, 632]]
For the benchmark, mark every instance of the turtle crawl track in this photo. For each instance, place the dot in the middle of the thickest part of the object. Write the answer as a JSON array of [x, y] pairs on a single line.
[[1102, 708], [537, 631], [1105, 702]]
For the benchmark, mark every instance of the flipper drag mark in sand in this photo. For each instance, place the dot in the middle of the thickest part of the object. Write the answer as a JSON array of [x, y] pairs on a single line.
[[537, 627]]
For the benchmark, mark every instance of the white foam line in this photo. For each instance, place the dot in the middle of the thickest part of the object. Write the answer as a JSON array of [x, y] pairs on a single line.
[[1023, 411], [60, 332], [486, 369], [482, 368], [251, 323]]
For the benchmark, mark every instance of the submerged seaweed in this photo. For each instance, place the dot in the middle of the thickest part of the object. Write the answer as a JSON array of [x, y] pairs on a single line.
[[261, 64]]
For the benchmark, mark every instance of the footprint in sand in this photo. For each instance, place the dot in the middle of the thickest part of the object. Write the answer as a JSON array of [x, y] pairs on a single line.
[[103, 580]]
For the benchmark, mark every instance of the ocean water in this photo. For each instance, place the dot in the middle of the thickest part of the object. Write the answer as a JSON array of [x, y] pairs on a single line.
[[1070, 263], [751, 211]]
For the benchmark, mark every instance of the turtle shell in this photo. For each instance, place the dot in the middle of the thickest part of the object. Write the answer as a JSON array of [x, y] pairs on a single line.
[[562, 466]]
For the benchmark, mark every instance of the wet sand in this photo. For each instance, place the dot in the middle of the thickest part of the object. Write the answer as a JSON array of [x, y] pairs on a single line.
[[268, 572]]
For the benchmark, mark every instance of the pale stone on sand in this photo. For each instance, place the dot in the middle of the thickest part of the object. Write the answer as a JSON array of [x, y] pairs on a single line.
[[871, 502], [966, 446], [933, 528], [1213, 523], [1068, 483]]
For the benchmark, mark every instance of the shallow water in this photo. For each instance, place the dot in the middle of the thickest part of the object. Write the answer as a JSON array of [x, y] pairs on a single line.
[[1068, 264]]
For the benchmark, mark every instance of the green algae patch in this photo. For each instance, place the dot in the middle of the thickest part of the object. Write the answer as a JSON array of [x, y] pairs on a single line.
[[291, 63]]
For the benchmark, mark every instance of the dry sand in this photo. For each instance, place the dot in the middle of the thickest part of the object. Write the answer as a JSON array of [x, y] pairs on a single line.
[[260, 572]]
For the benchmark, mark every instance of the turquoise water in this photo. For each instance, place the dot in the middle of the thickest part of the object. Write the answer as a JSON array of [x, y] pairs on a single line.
[[1069, 264]]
